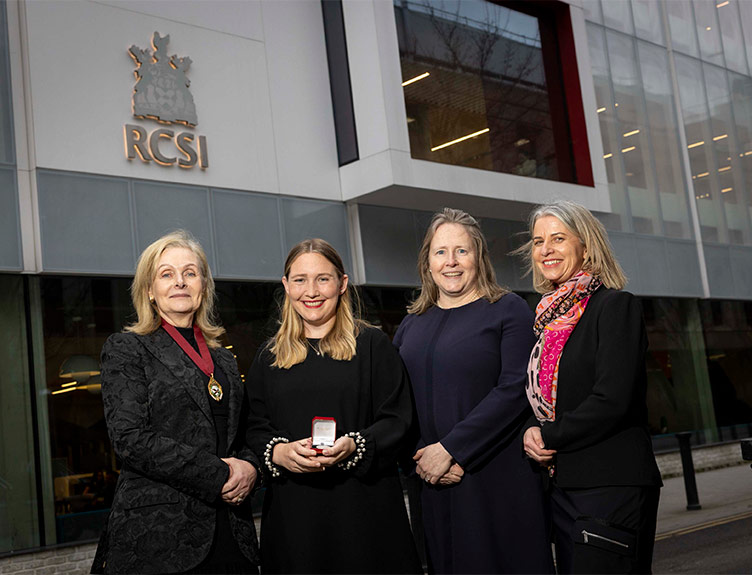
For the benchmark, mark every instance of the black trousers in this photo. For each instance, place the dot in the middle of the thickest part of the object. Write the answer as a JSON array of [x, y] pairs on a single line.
[[604, 529]]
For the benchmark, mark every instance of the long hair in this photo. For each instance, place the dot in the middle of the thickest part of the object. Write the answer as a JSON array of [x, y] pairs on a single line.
[[583, 224], [487, 288], [289, 346], [149, 319]]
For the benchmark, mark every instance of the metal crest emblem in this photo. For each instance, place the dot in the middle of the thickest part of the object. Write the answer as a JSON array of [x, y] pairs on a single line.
[[161, 90]]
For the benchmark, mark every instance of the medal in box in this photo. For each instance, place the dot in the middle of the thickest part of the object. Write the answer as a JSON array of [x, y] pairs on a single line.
[[323, 433]]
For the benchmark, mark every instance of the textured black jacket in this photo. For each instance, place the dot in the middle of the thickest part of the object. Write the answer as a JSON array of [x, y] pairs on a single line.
[[600, 431], [160, 423]]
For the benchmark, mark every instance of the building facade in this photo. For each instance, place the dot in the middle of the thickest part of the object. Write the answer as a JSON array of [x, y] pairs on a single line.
[[255, 124]]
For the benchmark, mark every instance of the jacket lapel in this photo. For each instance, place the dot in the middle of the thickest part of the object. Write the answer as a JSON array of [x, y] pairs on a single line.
[[180, 366], [226, 361]]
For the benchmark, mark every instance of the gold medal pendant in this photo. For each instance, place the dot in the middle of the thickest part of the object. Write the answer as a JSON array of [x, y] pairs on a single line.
[[215, 390]]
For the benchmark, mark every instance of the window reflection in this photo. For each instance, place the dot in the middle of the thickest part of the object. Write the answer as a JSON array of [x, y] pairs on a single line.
[[477, 92]]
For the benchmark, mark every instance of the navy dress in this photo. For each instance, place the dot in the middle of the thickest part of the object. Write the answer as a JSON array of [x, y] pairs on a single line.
[[467, 366]]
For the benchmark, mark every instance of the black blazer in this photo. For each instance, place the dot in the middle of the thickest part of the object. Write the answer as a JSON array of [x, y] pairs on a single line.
[[600, 431], [160, 423]]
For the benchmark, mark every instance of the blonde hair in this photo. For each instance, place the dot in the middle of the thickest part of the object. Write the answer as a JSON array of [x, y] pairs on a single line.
[[583, 224], [487, 288], [149, 319], [289, 346]]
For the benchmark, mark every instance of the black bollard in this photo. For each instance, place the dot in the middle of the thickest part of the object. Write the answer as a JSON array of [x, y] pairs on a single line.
[[688, 468]]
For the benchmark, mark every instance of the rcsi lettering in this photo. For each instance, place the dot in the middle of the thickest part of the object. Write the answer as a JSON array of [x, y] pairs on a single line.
[[154, 146]]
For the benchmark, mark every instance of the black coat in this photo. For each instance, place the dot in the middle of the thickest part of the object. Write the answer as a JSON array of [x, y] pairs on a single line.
[[600, 431], [160, 422]]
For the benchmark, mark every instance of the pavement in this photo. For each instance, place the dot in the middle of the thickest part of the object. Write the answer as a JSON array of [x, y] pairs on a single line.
[[725, 495]]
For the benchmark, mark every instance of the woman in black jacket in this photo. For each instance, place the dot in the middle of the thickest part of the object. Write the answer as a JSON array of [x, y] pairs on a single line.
[[175, 410], [587, 386]]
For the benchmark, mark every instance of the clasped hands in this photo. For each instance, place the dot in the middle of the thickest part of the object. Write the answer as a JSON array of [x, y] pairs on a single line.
[[435, 465], [535, 448], [240, 482], [300, 457]]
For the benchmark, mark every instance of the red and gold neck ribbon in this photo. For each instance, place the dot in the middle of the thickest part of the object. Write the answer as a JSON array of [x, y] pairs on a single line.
[[202, 359]]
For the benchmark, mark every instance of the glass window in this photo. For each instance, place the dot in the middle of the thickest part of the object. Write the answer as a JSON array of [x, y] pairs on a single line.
[[661, 117], [648, 20], [708, 31], [618, 15], [728, 176], [592, 10], [682, 26], [19, 526], [731, 34], [618, 219], [78, 315], [7, 153], [745, 13], [633, 143], [700, 148], [679, 395], [478, 88], [741, 102]]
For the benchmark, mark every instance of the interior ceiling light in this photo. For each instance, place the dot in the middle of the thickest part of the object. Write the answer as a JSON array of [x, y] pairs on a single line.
[[700, 143], [458, 140], [722, 4], [721, 137], [607, 156], [521, 142], [413, 80], [632, 133], [708, 28], [629, 149], [703, 175], [724, 169], [724, 190], [599, 110]]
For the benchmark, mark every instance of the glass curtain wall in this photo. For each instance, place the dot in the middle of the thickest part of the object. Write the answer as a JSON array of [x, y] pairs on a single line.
[[698, 348], [480, 88]]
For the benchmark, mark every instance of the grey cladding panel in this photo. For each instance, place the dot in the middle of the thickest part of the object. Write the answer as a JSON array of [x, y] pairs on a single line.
[[652, 265], [624, 250], [247, 230], [10, 238], [390, 245], [741, 267], [502, 237], [683, 268], [161, 208], [303, 219], [85, 223], [720, 275]]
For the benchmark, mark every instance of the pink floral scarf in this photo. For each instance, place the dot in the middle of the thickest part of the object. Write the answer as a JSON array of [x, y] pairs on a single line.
[[556, 316]]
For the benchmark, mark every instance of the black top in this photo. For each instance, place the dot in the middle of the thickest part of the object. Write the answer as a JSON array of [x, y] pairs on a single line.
[[336, 521], [225, 555], [600, 431]]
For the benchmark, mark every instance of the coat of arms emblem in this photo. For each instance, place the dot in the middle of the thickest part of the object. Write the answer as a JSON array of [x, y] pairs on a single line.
[[161, 90]]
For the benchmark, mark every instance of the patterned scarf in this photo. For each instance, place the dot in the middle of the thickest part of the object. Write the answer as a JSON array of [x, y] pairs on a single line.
[[556, 316]]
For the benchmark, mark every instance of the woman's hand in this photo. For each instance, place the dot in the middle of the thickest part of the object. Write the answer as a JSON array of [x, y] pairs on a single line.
[[341, 450], [535, 448], [296, 456], [241, 480], [433, 461], [453, 476]]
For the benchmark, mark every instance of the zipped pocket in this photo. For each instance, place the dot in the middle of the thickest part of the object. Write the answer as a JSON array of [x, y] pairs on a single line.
[[599, 533], [586, 536]]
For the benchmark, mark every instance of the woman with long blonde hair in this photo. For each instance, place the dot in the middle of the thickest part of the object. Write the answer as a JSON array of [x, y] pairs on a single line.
[[334, 501], [172, 401]]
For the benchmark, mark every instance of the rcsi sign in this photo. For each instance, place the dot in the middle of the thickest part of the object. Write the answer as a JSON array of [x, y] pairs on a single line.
[[161, 94]]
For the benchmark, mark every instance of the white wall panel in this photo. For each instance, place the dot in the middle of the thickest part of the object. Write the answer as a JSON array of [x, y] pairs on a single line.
[[301, 103], [82, 81]]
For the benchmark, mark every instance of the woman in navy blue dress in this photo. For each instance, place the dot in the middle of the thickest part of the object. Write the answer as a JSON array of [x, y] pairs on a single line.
[[465, 343]]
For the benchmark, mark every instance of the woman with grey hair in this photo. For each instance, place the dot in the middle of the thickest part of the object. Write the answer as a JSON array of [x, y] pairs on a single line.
[[587, 387]]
